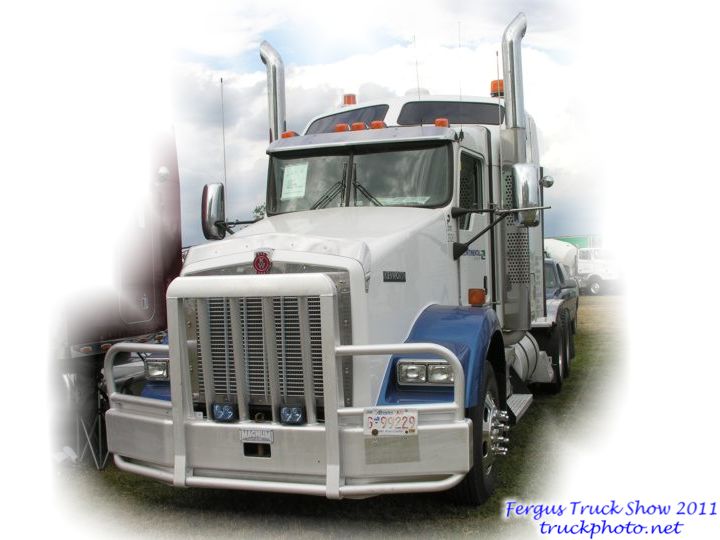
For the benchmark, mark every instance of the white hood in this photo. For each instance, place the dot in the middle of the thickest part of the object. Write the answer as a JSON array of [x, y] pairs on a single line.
[[362, 234]]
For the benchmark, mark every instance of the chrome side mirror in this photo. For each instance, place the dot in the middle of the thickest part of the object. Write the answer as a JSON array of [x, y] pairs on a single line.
[[526, 193], [213, 211]]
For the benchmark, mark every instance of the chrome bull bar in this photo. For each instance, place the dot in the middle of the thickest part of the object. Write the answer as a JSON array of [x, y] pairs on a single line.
[[173, 417]]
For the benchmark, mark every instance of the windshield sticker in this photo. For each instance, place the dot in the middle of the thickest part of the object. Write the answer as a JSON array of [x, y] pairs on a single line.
[[294, 178]]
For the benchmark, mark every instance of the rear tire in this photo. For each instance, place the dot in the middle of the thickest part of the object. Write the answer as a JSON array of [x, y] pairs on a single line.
[[558, 347], [568, 343], [479, 483]]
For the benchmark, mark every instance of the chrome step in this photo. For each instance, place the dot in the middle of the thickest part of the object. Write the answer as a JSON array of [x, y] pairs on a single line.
[[518, 404]]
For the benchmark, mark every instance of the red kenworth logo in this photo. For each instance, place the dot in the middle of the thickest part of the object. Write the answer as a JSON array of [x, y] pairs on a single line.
[[262, 263]]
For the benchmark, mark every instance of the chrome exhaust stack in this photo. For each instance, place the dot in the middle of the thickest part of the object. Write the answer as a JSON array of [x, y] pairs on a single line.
[[515, 120], [276, 89], [514, 276]]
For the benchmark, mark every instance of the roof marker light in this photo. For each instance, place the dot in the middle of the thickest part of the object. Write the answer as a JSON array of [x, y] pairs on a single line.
[[288, 134], [342, 127], [349, 99], [358, 126], [377, 124], [442, 122], [497, 88]]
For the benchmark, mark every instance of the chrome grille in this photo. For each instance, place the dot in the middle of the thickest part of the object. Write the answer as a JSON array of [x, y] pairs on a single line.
[[288, 345]]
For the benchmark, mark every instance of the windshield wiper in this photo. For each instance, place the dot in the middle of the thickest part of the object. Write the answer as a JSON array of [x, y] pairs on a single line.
[[331, 193], [362, 189]]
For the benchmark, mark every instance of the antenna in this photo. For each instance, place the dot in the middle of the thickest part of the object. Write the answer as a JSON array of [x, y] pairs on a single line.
[[222, 109], [417, 71], [460, 81]]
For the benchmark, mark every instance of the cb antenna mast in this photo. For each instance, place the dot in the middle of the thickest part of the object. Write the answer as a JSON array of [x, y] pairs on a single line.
[[460, 80], [417, 70], [222, 110]]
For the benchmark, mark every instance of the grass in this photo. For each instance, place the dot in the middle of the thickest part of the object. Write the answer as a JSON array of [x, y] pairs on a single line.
[[137, 506]]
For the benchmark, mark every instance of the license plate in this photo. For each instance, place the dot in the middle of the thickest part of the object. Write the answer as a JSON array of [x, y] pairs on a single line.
[[382, 422], [264, 436]]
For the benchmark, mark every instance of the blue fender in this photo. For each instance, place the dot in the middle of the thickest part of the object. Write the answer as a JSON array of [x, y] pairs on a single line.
[[467, 332]]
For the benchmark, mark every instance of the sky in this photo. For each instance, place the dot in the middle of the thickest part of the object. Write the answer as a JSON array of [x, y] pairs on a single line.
[[624, 94], [371, 52]]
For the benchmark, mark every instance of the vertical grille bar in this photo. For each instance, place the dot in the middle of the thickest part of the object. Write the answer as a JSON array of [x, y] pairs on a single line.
[[271, 356], [307, 366], [238, 340], [205, 346]]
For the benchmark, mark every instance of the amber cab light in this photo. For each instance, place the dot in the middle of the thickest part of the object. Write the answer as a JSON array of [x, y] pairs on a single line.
[[476, 297], [442, 122], [288, 134], [358, 126], [497, 88], [342, 127], [349, 99], [377, 124]]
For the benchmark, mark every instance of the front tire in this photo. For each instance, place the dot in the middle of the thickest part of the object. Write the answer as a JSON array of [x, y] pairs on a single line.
[[479, 483], [595, 287]]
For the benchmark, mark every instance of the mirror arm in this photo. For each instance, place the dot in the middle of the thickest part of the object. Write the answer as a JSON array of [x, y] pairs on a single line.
[[457, 211], [461, 247], [228, 225]]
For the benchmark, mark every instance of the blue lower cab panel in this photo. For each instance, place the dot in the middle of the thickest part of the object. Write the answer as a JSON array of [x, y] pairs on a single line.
[[156, 390], [464, 330]]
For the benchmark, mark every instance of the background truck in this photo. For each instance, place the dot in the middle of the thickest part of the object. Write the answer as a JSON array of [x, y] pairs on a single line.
[[378, 330], [598, 270], [133, 309]]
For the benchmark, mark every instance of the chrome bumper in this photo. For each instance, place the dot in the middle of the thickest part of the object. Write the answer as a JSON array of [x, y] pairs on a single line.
[[166, 441], [334, 459]]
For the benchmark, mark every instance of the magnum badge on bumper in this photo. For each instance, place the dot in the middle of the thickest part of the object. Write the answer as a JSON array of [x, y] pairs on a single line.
[[394, 276]]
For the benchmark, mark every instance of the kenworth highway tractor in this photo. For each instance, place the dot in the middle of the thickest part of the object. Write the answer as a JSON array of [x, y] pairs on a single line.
[[378, 331]]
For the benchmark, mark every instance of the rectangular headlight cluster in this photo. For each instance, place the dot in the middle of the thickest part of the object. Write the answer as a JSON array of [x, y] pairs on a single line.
[[425, 372]]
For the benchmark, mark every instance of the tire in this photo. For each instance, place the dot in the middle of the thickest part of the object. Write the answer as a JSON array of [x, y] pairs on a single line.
[[479, 483], [558, 348], [594, 287], [569, 346]]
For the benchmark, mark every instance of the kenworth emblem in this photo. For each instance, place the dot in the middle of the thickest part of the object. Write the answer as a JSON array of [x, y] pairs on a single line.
[[262, 262]]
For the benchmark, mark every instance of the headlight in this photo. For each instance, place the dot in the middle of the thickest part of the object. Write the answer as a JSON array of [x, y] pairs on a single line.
[[411, 373], [156, 369], [425, 372], [440, 374]]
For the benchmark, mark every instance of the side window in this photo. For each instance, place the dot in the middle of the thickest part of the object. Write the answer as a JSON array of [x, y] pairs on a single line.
[[470, 186], [561, 276]]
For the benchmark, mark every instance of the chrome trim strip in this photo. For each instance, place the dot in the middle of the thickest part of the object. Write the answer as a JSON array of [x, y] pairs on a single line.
[[238, 358]]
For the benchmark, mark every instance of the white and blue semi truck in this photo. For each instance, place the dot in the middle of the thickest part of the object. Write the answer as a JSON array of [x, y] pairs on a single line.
[[378, 331]]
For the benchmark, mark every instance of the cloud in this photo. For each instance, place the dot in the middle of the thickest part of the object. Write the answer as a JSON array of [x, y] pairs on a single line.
[[329, 52]]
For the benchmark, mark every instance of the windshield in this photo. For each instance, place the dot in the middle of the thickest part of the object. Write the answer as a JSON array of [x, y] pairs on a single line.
[[360, 176]]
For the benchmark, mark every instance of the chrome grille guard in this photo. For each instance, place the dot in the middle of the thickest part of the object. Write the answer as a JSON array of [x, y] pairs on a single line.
[[180, 411]]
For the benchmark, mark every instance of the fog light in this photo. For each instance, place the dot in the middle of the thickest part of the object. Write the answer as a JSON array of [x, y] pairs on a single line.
[[292, 415], [409, 373], [441, 374], [156, 369], [224, 412]]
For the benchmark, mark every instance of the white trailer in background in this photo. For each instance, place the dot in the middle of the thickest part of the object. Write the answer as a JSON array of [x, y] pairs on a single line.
[[378, 331]]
